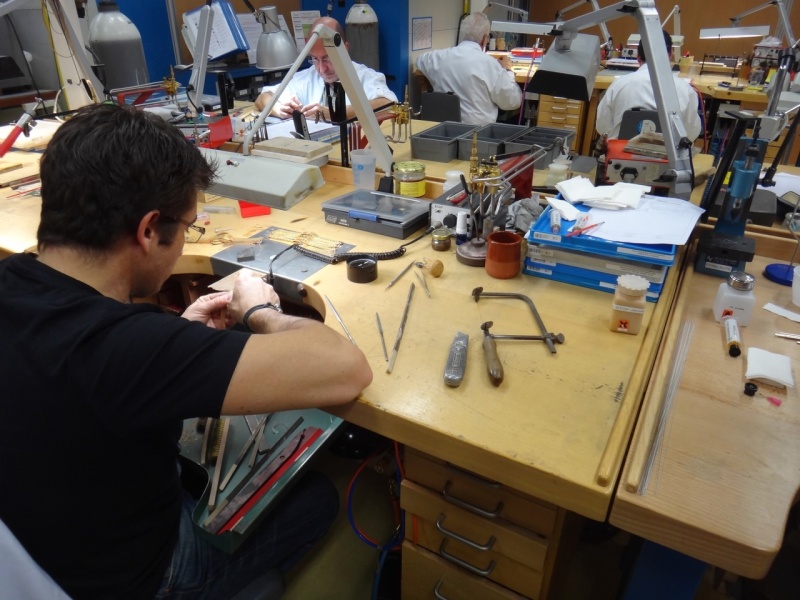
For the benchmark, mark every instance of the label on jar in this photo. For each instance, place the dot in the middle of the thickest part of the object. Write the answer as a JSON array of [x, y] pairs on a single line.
[[628, 309], [414, 189]]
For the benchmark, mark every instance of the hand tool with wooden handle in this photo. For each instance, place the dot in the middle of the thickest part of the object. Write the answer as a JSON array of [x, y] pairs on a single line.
[[493, 365]]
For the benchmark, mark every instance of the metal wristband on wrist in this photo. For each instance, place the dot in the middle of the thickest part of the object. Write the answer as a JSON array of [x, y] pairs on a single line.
[[253, 309]]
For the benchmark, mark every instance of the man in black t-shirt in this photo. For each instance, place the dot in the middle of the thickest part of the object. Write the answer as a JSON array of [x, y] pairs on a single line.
[[95, 388]]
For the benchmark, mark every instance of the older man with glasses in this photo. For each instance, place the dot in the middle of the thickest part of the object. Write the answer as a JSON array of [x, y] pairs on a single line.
[[306, 91]]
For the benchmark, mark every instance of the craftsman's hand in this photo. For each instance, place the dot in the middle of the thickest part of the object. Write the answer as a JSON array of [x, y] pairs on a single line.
[[505, 62], [284, 110], [315, 111], [250, 290], [211, 310]]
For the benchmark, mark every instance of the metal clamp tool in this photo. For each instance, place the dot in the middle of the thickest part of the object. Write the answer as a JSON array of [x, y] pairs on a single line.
[[551, 339]]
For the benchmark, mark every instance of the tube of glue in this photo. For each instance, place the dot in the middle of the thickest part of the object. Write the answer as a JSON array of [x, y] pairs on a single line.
[[555, 220], [732, 339]]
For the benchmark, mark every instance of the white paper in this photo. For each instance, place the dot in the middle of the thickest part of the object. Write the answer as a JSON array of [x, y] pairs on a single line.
[[285, 128], [656, 221], [568, 212], [769, 367], [782, 312]]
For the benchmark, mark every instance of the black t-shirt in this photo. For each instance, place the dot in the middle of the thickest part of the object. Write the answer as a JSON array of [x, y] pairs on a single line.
[[92, 399]]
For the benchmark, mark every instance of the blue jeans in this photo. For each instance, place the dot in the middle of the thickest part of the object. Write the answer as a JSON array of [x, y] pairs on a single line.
[[300, 519]]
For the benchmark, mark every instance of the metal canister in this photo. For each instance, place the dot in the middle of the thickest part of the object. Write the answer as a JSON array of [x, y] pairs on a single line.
[[409, 178]]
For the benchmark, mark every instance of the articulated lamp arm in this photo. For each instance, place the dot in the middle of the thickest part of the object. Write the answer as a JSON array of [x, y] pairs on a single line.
[[782, 12], [602, 25], [677, 144], [347, 76]]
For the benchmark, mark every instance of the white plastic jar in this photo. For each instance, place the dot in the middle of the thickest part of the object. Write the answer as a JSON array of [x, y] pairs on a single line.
[[735, 298]]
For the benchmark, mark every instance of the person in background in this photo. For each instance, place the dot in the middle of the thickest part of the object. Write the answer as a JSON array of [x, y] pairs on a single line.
[[484, 84], [306, 90], [635, 90], [96, 387]]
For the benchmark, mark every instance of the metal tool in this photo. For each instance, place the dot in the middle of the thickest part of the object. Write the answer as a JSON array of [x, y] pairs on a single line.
[[456, 360], [423, 283], [401, 329], [400, 274], [493, 364], [558, 338], [383, 340], [251, 440], [338, 318], [549, 338]]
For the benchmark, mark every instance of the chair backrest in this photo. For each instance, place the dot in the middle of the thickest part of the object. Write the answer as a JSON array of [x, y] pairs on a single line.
[[634, 120], [440, 106], [22, 578]]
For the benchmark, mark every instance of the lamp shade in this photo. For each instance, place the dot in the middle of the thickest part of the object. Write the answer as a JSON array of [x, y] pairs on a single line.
[[276, 49], [734, 32]]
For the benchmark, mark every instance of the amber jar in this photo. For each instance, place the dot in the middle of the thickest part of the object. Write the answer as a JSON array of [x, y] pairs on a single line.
[[440, 239]]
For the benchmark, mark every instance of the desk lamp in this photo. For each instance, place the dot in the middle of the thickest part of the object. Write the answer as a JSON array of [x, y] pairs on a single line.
[[572, 61], [276, 49], [608, 42]]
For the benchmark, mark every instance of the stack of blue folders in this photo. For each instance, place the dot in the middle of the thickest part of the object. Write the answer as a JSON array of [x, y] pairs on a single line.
[[591, 261]]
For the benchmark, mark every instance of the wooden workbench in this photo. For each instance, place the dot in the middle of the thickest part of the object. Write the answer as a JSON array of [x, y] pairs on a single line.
[[557, 428], [726, 473]]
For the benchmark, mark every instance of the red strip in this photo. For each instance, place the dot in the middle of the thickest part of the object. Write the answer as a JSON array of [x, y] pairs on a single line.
[[239, 514]]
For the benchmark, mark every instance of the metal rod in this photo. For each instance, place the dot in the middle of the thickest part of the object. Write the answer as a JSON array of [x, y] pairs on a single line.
[[402, 327], [383, 340], [423, 283], [338, 318], [399, 275]]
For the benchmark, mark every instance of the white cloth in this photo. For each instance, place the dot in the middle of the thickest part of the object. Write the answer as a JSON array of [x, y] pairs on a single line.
[[636, 91], [22, 577], [309, 87], [476, 78]]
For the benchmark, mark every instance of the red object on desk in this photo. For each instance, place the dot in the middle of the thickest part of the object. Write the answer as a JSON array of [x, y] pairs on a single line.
[[250, 209], [221, 132]]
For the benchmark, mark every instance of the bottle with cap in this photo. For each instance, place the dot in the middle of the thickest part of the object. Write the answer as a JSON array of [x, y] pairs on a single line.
[[628, 306], [735, 298], [461, 228]]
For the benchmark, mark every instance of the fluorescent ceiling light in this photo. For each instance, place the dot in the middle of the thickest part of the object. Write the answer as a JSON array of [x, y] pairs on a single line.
[[734, 32]]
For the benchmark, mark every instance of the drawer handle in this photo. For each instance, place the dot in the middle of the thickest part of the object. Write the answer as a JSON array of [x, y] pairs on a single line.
[[452, 534], [462, 563], [560, 108], [436, 591], [471, 507], [559, 119]]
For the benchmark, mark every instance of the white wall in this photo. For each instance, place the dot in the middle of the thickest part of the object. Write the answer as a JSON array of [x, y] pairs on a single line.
[[445, 15]]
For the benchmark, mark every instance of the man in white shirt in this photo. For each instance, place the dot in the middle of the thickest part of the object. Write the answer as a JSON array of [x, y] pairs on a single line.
[[483, 83], [306, 90], [636, 91]]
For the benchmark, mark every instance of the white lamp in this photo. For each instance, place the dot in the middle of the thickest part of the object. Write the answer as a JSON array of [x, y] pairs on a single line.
[[734, 32], [276, 49]]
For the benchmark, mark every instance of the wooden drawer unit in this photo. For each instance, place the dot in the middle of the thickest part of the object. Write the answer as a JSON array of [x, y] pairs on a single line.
[[478, 495], [493, 548], [479, 528], [562, 113], [426, 575]]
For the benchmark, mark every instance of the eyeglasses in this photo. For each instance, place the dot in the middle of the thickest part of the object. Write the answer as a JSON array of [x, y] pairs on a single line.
[[193, 232], [325, 60]]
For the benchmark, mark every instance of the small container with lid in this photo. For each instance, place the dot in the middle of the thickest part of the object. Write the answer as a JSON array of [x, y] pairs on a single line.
[[627, 308], [735, 298], [556, 173], [440, 239], [409, 178]]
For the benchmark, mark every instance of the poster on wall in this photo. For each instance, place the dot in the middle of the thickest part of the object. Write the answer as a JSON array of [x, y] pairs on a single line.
[[301, 25], [421, 33]]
